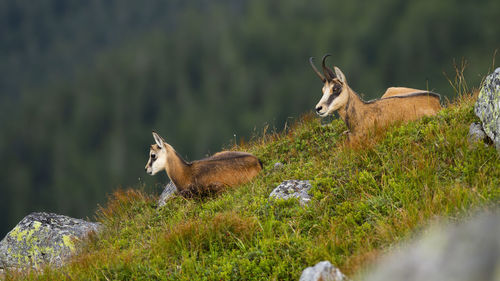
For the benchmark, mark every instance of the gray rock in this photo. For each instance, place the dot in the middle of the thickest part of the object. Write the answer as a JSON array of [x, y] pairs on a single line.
[[293, 189], [322, 271], [278, 166], [487, 107], [466, 252], [168, 192], [476, 133], [43, 238]]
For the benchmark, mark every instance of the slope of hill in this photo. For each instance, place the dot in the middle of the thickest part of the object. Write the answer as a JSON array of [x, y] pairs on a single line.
[[366, 197], [83, 83]]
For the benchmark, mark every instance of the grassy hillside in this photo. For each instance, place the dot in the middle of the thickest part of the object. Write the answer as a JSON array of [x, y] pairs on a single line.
[[367, 197], [83, 83]]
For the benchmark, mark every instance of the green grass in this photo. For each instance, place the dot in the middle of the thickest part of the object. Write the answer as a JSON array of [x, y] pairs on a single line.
[[367, 197]]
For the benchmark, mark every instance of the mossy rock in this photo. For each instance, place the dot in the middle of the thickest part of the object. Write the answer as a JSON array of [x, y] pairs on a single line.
[[42, 238], [487, 107]]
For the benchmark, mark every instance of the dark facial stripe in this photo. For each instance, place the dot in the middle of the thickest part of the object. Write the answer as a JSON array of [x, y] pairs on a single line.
[[331, 98], [335, 93]]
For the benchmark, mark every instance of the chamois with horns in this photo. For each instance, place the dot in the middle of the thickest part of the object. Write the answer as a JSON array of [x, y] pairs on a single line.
[[212, 174], [398, 104]]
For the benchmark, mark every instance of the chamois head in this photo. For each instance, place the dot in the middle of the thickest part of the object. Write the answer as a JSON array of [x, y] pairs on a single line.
[[335, 93], [157, 156]]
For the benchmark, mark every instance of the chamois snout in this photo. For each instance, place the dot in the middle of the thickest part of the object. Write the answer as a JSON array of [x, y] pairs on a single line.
[[148, 169], [318, 110]]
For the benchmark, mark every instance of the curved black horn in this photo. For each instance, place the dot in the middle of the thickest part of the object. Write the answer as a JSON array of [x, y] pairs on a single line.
[[316, 70], [327, 71]]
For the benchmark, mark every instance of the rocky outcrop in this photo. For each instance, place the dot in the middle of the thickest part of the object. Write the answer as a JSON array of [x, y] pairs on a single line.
[[42, 238], [487, 107], [293, 189], [168, 192], [465, 252], [322, 271]]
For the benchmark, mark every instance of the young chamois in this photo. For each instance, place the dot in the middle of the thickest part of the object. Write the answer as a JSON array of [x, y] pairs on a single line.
[[398, 104], [212, 174]]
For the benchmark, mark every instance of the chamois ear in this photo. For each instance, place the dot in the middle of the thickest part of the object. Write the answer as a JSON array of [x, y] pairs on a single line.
[[159, 140], [339, 74]]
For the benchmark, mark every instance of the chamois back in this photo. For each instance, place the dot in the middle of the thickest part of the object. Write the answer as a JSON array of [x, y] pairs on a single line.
[[385, 111], [399, 91], [414, 94], [227, 168]]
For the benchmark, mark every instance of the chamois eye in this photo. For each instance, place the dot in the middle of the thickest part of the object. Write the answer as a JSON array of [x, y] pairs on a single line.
[[336, 89], [153, 156]]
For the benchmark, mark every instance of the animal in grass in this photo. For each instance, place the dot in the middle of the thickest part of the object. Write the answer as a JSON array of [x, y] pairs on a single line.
[[398, 104], [205, 176]]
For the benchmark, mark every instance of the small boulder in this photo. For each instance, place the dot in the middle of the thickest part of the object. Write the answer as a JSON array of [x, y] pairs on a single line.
[[322, 271], [278, 166], [293, 189], [168, 192], [487, 107], [42, 238], [476, 133]]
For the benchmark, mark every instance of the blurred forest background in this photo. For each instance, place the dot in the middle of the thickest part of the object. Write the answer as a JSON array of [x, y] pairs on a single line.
[[83, 83]]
